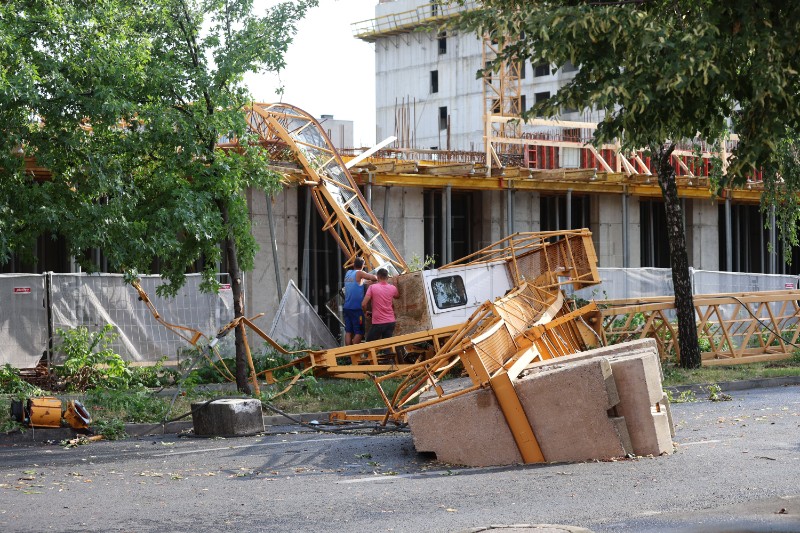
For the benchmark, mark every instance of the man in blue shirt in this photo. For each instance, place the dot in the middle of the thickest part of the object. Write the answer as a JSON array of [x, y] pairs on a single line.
[[353, 295]]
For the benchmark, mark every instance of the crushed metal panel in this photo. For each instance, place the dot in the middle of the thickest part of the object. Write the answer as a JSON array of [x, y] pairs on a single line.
[[296, 318]]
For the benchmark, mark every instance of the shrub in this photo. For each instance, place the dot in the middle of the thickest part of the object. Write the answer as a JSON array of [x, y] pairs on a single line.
[[90, 361]]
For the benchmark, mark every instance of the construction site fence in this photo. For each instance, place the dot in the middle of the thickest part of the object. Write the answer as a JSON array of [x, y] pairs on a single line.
[[33, 307], [629, 283]]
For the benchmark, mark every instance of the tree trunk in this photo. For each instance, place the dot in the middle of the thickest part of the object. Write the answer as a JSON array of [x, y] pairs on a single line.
[[688, 347], [242, 383]]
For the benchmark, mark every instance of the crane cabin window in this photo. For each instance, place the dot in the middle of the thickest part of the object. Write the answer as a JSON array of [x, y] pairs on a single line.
[[449, 292]]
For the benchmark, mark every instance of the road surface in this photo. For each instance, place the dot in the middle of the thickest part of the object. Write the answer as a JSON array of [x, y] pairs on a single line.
[[736, 468]]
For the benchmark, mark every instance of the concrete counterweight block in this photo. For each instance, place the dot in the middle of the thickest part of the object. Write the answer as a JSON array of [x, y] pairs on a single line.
[[567, 407], [643, 404], [236, 417], [638, 379]]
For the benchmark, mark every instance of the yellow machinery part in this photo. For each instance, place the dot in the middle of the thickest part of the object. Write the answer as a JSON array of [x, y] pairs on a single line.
[[76, 415], [44, 412]]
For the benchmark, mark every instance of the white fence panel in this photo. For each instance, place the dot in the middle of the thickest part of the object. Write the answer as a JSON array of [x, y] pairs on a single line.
[[95, 300], [710, 282], [620, 283], [23, 319], [296, 317]]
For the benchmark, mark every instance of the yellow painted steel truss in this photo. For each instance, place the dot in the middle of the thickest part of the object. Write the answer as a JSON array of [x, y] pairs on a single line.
[[345, 212], [546, 258], [732, 328], [502, 96]]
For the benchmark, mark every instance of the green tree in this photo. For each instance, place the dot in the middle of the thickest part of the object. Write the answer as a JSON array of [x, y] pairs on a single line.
[[664, 71], [125, 103], [782, 188]]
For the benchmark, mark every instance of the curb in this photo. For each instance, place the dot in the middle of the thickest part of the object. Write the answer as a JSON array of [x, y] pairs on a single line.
[[36, 435], [733, 386]]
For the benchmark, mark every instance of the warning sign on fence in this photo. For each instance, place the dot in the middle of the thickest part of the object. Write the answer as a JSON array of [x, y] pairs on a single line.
[[788, 285], [22, 290]]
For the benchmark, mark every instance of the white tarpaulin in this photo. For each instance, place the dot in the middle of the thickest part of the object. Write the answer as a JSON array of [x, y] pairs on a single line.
[[23, 319], [709, 282], [623, 283], [296, 318]]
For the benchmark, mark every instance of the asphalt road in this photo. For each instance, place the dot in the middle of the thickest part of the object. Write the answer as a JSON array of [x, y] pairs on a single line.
[[736, 468]]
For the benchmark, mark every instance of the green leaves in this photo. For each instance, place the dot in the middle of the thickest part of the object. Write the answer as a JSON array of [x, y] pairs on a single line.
[[125, 102]]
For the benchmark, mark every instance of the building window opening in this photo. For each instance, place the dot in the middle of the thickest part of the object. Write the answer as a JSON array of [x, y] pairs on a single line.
[[654, 244], [542, 69], [442, 43], [541, 97], [434, 81], [443, 118]]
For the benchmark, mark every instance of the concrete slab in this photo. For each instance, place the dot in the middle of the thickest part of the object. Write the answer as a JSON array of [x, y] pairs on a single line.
[[624, 348], [637, 372], [638, 381], [468, 430]]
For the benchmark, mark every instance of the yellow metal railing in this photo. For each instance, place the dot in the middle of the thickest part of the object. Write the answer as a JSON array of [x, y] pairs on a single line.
[[731, 328]]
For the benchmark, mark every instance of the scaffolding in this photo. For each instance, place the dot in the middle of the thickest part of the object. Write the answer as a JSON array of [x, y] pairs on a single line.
[[407, 21]]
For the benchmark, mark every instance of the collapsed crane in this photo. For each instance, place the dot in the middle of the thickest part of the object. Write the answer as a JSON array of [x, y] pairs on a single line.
[[489, 315], [444, 298], [498, 316]]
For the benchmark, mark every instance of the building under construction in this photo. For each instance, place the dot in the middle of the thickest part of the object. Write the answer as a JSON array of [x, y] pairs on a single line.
[[462, 174]]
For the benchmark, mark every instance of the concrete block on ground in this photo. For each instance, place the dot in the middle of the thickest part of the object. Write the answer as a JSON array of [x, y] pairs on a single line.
[[567, 407], [467, 430], [236, 417], [637, 372], [638, 379]]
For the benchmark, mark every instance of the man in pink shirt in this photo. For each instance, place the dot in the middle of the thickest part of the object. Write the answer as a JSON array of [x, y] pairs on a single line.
[[382, 295]]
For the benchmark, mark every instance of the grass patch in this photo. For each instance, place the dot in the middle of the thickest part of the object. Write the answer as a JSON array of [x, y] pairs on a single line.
[[332, 395], [674, 375]]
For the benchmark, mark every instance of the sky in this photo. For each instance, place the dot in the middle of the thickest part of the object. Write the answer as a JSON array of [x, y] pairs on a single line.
[[328, 71]]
